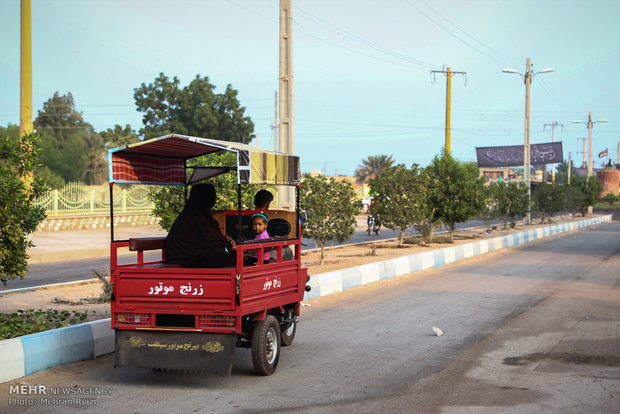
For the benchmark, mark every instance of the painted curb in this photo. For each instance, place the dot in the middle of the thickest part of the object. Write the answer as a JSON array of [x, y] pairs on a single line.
[[340, 280], [32, 353]]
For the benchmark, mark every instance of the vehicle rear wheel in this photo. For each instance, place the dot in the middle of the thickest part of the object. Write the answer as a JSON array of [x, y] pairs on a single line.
[[266, 345], [288, 333]]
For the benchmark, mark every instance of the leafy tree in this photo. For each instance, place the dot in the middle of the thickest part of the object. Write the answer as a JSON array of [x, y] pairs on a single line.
[[561, 173], [610, 198], [63, 138], [511, 200], [372, 166], [18, 216], [591, 188], [455, 190], [119, 136], [573, 198], [400, 195], [11, 131], [489, 211], [548, 198], [194, 110], [331, 207]]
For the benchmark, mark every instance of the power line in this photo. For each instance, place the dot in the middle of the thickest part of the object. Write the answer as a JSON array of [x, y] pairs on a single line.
[[452, 34], [358, 39], [467, 34]]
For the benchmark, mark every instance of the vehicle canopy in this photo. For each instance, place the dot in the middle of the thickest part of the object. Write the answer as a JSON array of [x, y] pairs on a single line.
[[164, 161]]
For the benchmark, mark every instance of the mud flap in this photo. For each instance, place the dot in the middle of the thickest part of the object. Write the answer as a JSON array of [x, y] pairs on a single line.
[[178, 351]]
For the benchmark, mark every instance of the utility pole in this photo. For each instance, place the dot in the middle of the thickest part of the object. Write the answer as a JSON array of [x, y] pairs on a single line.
[[590, 123], [570, 162], [527, 79], [25, 117], [590, 167], [285, 128], [448, 72], [584, 164], [275, 123], [526, 147], [552, 125]]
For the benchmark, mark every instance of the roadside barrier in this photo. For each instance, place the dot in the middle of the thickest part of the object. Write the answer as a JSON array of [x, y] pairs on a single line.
[[36, 352]]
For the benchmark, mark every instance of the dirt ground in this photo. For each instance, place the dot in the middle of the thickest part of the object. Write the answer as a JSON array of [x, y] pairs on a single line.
[[79, 296]]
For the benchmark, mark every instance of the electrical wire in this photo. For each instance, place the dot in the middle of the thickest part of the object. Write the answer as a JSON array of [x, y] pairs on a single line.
[[468, 35], [452, 34]]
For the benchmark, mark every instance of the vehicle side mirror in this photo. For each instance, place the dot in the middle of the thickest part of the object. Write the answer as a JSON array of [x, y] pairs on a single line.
[[303, 217]]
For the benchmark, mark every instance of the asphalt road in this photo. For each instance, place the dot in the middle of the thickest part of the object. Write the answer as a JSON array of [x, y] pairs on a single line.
[[75, 270], [529, 329]]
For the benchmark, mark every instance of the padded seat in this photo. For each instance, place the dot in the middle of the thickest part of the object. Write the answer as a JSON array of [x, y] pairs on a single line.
[[146, 243]]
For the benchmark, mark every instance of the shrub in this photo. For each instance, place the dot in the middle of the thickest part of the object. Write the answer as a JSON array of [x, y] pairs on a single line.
[[610, 198], [25, 322]]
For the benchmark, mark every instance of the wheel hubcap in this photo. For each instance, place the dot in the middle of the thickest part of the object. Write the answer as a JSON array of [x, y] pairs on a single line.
[[271, 348]]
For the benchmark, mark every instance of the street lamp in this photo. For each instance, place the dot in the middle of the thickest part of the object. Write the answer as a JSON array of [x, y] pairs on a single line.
[[527, 79], [590, 123]]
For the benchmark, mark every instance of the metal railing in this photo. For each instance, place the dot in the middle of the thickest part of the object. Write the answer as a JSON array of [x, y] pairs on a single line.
[[80, 199]]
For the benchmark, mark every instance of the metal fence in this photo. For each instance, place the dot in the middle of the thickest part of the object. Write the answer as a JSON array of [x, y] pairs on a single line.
[[80, 199]]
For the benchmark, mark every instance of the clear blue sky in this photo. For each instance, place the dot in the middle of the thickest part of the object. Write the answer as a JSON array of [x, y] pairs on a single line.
[[362, 68]]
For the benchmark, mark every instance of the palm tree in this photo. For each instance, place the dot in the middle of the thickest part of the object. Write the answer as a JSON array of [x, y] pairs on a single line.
[[96, 165], [372, 166]]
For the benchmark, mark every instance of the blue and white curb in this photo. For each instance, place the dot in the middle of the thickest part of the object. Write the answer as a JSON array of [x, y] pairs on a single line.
[[32, 353], [340, 280]]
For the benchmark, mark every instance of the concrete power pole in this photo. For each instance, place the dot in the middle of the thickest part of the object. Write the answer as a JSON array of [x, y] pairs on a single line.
[[25, 117], [448, 72], [584, 164], [527, 78], [590, 144], [275, 123], [570, 163], [286, 126], [552, 125]]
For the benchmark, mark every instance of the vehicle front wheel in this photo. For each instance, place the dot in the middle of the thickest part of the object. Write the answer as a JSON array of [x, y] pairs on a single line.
[[266, 345]]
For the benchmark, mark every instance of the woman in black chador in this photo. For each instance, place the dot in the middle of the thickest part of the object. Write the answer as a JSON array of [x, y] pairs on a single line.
[[195, 239]]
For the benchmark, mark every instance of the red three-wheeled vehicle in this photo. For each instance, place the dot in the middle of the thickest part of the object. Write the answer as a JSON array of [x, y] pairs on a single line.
[[192, 319]]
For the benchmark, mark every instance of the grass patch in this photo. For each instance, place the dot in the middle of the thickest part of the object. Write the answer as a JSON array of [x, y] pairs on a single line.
[[435, 239]]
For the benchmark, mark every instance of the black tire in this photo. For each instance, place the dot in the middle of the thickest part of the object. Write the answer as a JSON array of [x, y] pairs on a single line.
[[266, 345], [288, 332]]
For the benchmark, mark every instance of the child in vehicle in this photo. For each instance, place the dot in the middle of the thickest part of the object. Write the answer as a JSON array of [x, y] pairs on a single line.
[[259, 225]]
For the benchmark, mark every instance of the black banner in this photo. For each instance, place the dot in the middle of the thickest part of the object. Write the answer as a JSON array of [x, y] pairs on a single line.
[[512, 155]]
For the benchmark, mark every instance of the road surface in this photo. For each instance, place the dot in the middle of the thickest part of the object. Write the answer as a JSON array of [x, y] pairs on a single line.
[[74, 270], [529, 329]]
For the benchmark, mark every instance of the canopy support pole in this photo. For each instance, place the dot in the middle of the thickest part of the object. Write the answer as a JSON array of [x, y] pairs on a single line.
[[112, 212], [240, 223]]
